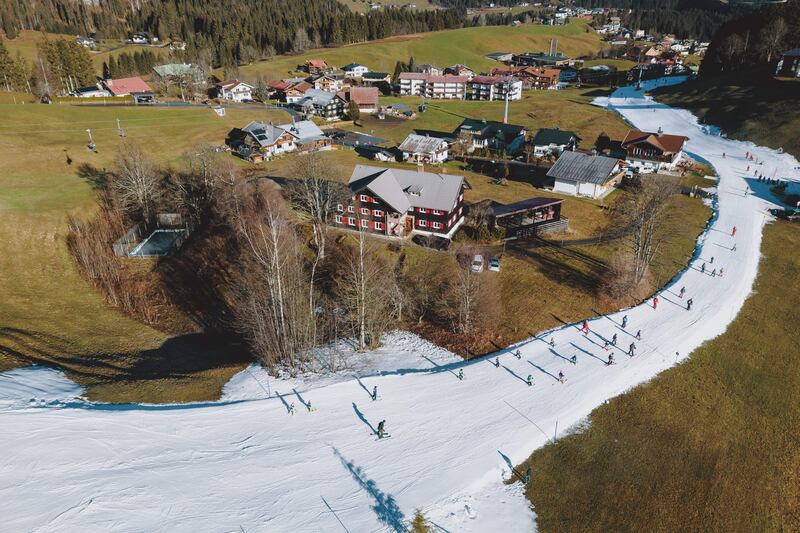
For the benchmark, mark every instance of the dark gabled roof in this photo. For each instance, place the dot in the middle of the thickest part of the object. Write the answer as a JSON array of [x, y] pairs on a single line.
[[582, 168], [667, 143], [794, 52], [375, 75], [489, 128], [558, 137], [523, 205]]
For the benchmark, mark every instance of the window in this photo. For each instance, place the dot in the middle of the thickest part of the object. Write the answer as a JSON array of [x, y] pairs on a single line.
[[338, 219], [351, 221], [421, 210], [364, 223], [379, 226], [339, 208], [437, 212], [436, 225], [364, 198], [364, 211], [422, 223], [378, 213], [351, 209]]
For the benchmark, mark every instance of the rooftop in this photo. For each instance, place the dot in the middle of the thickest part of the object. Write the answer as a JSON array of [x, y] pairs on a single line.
[[421, 144], [402, 189], [667, 143], [583, 168]]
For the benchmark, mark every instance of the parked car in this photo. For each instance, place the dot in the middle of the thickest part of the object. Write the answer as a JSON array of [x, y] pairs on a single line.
[[494, 264], [477, 264]]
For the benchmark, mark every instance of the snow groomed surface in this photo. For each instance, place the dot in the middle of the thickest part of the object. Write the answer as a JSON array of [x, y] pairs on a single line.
[[249, 465]]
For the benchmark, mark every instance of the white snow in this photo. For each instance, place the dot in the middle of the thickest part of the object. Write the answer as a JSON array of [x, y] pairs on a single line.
[[245, 464], [36, 385]]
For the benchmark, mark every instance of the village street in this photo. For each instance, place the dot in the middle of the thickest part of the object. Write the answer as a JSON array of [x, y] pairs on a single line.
[[250, 466]]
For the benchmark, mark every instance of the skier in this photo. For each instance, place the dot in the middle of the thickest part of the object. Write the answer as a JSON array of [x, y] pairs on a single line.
[[497, 362], [631, 350], [381, 429], [712, 260], [733, 232], [585, 327], [308, 406], [460, 374], [374, 393], [574, 359], [703, 268], [529, 381], [723, 154], [518, 354], [734, 247], [614, 340], [655, 302], [721, 271], [561, 377], [748, 168], [291, 409], [624, 321], [605, 345], [610, 359], [689, 303], [552, 342], [683, 291], [746, 192], [714, 273]]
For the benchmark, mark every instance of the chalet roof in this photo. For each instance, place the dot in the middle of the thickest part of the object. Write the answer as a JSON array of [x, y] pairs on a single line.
[[351, 66], [558, 137], [667, 143], [302, 87], [492, 80], [317, 63], [421, 144], [278, 85], [125, 86], [229, 84], [499, 211], [488, 128], [265, 134], [364, 95], [317, 97], [402, 189], [582, 168], [794, 52], [375, 75], [305, 131]]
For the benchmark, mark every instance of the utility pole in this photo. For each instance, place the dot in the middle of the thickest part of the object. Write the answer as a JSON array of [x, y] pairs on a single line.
[[505, 112], [44, 75], [119, 129]]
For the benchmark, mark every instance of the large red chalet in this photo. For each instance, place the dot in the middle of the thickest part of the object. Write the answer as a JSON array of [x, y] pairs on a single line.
[[397, 203]]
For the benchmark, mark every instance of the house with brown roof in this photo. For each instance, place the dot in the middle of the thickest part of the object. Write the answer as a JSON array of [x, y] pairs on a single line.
[[365, 97], [330, 83], [651, 152], [127, 86], [297, 92], [318, 66]]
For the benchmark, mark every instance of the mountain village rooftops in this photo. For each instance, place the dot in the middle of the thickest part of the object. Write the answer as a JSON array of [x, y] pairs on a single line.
[[666, 143], [125, 86], [583, 168], [492, 80], [364, 95], [547, 136], [305, 131], [420, 144], [432, 78], [403, 189]]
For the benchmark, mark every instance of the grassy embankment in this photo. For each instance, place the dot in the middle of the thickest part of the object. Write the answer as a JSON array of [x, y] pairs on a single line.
[[444, 48], [49, 314], [710, 445], [755, 107]]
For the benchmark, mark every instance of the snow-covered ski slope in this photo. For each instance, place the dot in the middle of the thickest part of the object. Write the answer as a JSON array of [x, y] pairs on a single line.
[[249, 466]]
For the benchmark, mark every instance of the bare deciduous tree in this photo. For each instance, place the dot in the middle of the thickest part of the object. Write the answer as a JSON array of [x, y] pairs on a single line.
[[771, 37], [135, 181]]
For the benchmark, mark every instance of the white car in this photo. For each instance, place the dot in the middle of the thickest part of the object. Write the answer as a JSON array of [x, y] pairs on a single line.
[[477, 264], [494, 264]]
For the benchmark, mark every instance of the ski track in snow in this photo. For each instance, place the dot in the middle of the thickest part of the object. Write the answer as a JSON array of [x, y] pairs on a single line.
[[244, 464]]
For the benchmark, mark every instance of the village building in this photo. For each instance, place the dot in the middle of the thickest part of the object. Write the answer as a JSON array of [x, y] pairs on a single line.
[[494, 88], [553, 141], [355, 70], [326, 105], [399, 203], [541, 59], [427, 68], [581, 174], [365, 97], [296, 92], [318, 66], [528, 218], [502, 57], [259, 141], [234, 91], [459, 70], [424, 149], [653, 152], [91, 91], [179, 73], [491, 135], [277, 89], [329, 83], [435, 87], [86, 42], [134, 87], [376, 78], [789, 64]]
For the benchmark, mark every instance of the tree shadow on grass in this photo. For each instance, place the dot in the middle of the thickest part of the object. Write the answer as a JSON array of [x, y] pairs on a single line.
[[385, 507]]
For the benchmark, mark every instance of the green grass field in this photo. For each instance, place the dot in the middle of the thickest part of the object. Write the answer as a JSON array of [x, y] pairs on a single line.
[[444, 48], [49, 314], [710, 445]]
